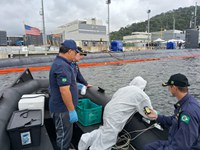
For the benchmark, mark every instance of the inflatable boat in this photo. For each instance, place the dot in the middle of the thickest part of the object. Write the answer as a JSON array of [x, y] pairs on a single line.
[[137, 132]]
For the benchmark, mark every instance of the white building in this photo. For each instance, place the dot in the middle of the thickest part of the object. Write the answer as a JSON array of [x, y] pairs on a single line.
[[137, 39], [168, 35], [89, 33]]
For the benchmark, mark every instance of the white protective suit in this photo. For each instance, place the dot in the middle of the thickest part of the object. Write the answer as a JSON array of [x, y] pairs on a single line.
[[123, 104]]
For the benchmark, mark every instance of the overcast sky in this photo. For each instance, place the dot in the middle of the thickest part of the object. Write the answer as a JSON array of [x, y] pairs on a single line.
[[14, 13]]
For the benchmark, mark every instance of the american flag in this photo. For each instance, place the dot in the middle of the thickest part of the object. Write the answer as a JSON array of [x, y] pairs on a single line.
[[31, 30]]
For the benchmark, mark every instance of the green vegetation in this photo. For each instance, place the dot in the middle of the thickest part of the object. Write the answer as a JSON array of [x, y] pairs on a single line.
[[182, 16]]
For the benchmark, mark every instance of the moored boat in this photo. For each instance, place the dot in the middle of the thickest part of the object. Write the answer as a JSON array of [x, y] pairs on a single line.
[[138, 130]]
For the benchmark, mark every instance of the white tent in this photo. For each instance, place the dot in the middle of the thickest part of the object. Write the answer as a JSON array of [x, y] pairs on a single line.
[[159, 40], [181, 41], [175, 40], [172, 40]]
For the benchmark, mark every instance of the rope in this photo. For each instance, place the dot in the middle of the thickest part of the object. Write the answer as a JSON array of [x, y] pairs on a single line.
[[117, 57], [142, 131], [123, 141]]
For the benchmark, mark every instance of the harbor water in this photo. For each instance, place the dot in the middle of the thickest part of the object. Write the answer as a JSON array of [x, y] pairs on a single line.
[[112, 77]]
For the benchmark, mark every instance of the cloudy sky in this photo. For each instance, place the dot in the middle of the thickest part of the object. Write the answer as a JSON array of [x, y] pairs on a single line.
[[14, 13]]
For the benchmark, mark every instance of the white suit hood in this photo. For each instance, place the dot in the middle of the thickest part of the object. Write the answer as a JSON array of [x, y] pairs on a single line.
[[138, 82]]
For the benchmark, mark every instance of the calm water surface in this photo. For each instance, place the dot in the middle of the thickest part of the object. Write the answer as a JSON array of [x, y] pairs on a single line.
[[113, 77]]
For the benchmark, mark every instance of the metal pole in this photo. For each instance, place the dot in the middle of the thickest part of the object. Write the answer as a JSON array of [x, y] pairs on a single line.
[[173, 26], [108, 2], [44, 34], [192, 20], [148, 26], [195, 16], [108, 27]]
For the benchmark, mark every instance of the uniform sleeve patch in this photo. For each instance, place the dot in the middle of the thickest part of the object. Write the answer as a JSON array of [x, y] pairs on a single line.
[[185, 118], [64, 80]]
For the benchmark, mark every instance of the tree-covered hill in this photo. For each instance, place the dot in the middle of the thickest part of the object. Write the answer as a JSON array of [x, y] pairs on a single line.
[[183, 17]]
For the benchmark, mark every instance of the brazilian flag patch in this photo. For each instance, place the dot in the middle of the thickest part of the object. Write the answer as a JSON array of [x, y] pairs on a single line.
[[64, 80], [185, 118]]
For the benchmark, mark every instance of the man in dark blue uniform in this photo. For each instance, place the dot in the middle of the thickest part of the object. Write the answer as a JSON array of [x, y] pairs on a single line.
[[81, 82], [184, 125], [64, 94], [78, 75]]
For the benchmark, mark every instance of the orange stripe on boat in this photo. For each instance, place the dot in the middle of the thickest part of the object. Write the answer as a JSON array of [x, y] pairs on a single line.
[[10, 70]]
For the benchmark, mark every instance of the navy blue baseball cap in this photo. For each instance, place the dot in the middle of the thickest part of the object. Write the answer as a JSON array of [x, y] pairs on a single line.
[[177, 80], [82, 52], [71, 44]]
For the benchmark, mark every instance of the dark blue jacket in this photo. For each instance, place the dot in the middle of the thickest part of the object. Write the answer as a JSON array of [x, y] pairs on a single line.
[[78, 75], [184, 133]]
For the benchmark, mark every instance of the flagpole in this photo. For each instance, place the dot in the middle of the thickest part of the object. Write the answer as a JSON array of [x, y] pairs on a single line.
[[25, 38], [25, 44]]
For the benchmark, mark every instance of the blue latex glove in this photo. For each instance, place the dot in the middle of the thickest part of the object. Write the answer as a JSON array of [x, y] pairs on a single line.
[[73, 117], [80, 86]]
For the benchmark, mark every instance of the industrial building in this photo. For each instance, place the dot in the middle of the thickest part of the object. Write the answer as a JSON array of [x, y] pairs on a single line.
[[3, 38], [137, 39], [192, 38], [168, 35], [33, 40], [54, 39], [15, 40], [89, 34]]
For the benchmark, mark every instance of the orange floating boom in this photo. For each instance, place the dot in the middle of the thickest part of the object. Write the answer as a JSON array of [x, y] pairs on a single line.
[[44, 68]]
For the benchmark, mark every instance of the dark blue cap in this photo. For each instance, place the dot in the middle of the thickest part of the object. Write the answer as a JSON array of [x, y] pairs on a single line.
[[177, 80], [71, 44]]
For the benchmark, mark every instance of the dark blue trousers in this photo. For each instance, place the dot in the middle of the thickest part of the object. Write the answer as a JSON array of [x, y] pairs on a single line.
[[64, 130], [155, 145]]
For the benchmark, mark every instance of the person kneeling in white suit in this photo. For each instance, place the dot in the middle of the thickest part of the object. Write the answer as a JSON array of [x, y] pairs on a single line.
[[124, 103]]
